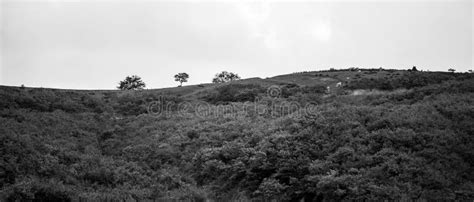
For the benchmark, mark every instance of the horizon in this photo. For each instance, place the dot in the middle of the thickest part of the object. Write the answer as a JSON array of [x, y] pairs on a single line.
[[210, 82], [86, 45]]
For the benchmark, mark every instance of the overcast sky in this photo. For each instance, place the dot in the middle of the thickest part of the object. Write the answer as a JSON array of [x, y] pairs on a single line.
[[85, 44]]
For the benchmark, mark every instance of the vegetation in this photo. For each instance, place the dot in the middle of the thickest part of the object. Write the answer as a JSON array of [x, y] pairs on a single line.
[[384, 135], [224, 77], [234, 93], [131, 83], [181, 77]]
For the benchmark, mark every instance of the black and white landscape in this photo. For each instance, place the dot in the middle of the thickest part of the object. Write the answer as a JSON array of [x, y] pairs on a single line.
[[121, 100]]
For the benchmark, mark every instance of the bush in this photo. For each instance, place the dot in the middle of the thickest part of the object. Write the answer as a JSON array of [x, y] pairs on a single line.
[[414, 144], [409, 80], [234, 93]]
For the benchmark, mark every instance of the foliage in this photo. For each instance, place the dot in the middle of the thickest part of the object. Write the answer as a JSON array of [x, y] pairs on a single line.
[[289, 90], [181, 77], [131, 83], [407, 81], [234, 93], [412, 143], [225, 76]]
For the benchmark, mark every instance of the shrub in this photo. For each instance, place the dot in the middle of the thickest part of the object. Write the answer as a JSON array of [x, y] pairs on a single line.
[[234, 93]]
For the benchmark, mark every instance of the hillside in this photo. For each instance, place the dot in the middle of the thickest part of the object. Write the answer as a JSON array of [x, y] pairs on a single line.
[[379, 135]]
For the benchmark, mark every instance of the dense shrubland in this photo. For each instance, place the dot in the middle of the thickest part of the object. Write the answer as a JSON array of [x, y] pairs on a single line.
[[406, 80], [234, 93], [416, 143]]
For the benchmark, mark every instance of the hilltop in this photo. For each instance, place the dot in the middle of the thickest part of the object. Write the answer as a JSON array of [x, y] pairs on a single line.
[[372, 135]]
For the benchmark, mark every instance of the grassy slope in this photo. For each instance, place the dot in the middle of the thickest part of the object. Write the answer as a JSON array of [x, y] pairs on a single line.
[[69, 143], [325, 78]]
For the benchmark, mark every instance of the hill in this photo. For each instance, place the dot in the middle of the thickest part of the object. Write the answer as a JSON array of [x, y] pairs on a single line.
[[372, 135]]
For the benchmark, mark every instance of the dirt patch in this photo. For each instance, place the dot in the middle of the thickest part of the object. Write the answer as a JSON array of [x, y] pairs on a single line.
[[377, 92]]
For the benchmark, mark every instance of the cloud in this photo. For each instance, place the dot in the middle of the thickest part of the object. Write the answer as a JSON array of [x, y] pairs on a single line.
[[321, 31], [257, 16], [156, 39]]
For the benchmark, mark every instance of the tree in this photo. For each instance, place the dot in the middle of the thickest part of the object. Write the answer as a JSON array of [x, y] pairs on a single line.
[[451, 70], [181, 77], [131, 83], [414, 69], [225, 76]]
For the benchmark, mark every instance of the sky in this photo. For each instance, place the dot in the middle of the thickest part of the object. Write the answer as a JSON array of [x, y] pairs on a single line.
[[86, 44]]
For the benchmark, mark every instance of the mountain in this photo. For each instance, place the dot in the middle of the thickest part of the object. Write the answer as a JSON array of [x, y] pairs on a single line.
[[353, 134]]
